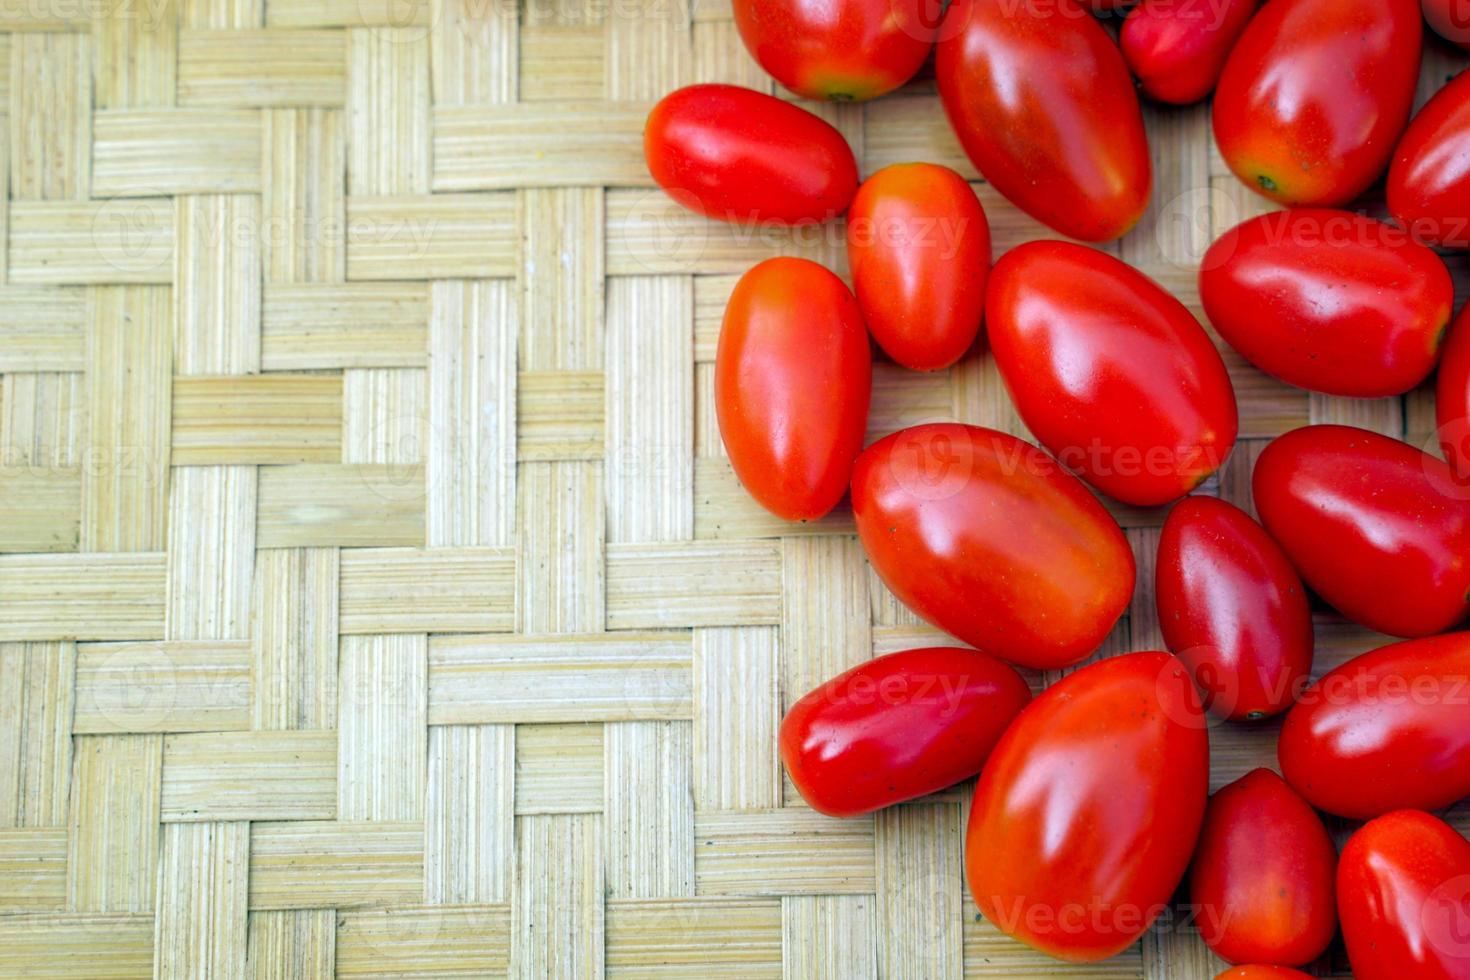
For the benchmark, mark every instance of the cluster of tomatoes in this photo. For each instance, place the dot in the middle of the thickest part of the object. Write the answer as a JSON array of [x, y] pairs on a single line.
[[1092, 799]]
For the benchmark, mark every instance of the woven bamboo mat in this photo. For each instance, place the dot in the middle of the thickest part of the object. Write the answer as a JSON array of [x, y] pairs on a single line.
[[376, 598]]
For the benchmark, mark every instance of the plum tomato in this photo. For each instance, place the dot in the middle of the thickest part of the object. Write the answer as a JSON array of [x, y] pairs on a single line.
[[1177, 48], [739, 155], [918, 245], [1429, 179], [793, 374], [898, 727], [986, 537], [1088, 808], [1263, 971]]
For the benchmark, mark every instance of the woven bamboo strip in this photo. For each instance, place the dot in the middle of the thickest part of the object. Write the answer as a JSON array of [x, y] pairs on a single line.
[[201, 919], [36, 693], [113, 831], [559, 769], [262, 68], [250, 776], [469, 830], [32, 869], [176, 686]]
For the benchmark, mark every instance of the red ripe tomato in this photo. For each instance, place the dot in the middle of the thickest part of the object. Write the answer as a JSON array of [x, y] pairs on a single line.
[[1044, 106], [1403, 888], [850, 50], [1385, 730], [739, 155], [1450, 19], [1263, 874], [1329, 300], [1233, 609], [1315, 94], [898, 727], [1110, 372], [1429, 180], [1087, 810], [1452, 396], [793, 375], [1260, 971], [1178, 49], [985, 536], [919, 247], [1375, 527]]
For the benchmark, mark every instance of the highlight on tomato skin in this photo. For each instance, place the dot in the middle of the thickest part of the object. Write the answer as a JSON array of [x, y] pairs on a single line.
[[1177, 50], [742, 156], [898, 727], [793, 378]]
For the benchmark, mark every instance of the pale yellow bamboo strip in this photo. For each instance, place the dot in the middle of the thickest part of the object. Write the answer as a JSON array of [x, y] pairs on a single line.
[[1143, 612], [980, 396], [292, 945], [559, 769], [708, 444], [709, 937], [175, 686], [462, 590], [383, 741], [1172, 950], [443, 236], [249, 776], [901, 398], [216, 291], [788, 851], [303, 185], [560, 578], [652, 586], [39, 508], [920, 906], [136, 55], [556, 911], [533, 144], [221, 15], [36, 698], [560, 415], [474, 52], [86, 242], [723, 509], [316, 327], [68, 945], [650, 427], [649, 52], [152, 152], [711, 295], [472, 941], [568, 13], [719, 56], [112, 853], [129, 369], [85, 596], [401, 14], [561, 63], [388, 111], [618, 676], [211, 552], [470, 454], [32, 869], [469, 806], [356, 504], [737, 708], [294, 639], [262, 418], [202, 889], [829, 937], [50, 117], [262, 68], [991, 953], [383, 416], [42, 329], [1175, 229], [49, 15], [825, 622], [561, 279], [42, 418], [310, 864], [903, 128], [649, 809], [1383, 415]]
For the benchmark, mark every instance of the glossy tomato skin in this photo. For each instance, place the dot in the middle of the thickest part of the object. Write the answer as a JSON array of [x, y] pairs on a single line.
[[1385, 730], [1403, 886], [1452, 397], [1450, 20], [1263, 874], [1329, 300], [1314, 95], [898, 727], [1376, 527], [987, 538], [1045, 108], [1110, 372], [1053, 855], [849, 51], [1429, 180], [918, 245], [1233, 609], [793, 374], [1177, 50], [739, 155], [1263, 971]]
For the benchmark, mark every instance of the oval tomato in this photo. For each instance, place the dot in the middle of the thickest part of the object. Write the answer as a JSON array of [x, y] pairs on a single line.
[[897, 727], [1373, 525], [1450, 20], [986, 537], [1178, 49], [1110, 372], [1263, 872], [919, 248], [851, 50], [1452, 396], [1088, 808], [1044, 106], [1403, 888], [1329, 300], [1385, 730], [1260, 971], [1429, 180], [1233, 609], [739, 155], [793, 375], [1314, 95]]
